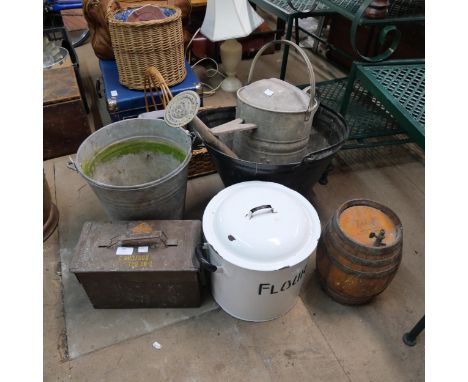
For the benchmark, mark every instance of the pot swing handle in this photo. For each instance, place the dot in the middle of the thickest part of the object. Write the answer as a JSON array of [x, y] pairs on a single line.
[[304, 57], [204, 263]]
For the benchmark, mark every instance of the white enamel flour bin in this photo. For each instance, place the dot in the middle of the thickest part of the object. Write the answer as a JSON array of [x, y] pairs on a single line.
[[259, 236]]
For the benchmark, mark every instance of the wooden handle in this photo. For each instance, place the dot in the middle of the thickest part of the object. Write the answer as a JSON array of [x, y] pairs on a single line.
[[232, 126], [209, 138]]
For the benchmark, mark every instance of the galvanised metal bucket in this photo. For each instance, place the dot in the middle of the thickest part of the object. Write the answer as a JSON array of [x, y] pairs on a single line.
[[163, 195], [283, 115]]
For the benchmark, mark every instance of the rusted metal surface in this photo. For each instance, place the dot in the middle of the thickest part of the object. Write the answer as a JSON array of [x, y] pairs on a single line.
[[166, 274]]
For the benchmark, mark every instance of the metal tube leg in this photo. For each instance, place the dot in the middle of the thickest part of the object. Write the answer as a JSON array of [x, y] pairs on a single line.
[[324, 178], [319, 33], [349, 89], [81, 89], [280, 24], [410, 337], [286, 48], [296, 23]]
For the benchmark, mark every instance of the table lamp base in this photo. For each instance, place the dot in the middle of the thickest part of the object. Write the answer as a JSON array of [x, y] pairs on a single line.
[[231, 84], [231, 56]]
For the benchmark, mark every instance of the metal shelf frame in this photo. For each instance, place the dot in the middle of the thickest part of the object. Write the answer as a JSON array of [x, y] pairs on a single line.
[[380, 100], [400, 12]]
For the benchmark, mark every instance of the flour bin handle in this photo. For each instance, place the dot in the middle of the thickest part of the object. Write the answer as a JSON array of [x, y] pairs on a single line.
[[204, 263], [304, 57], [263, 207]]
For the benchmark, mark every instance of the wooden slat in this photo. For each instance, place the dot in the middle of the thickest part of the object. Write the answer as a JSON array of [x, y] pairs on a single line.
[[59, 85], [74, 20], [65, 126], [232, 126]]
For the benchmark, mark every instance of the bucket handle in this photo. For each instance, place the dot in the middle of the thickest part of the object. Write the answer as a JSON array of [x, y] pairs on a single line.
[[320, 154], [306, 60], [71, 164], [312, 157], [204, 263]]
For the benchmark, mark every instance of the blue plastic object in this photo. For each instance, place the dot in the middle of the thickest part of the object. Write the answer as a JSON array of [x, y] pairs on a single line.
[[123, 103], [61, 5]]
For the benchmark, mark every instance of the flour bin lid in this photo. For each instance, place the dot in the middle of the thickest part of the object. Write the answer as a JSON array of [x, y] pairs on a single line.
[[261, 226], [274, 95]]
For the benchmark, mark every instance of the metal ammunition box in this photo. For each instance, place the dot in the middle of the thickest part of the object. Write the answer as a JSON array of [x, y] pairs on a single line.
[[139, 264]]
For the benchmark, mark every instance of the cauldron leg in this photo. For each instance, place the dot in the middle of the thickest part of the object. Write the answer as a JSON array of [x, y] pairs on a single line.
[[410, 337], [324, 178]]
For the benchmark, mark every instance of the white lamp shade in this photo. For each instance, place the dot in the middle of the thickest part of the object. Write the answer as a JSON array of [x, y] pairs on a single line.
[[227, 19]]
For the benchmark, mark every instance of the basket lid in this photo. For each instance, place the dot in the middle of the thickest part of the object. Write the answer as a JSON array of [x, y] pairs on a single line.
[[262, 226], [274, 95]]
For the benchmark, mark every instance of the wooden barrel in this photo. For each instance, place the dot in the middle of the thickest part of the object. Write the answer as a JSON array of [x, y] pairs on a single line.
[[359, 251]]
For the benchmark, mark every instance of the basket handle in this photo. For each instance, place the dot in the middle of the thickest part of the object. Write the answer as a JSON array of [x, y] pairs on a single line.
[[113, 5], [154, 79], [304, 57], [110, 5]]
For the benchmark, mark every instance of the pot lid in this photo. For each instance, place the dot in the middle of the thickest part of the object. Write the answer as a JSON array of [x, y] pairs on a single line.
[[261, 226], [274, 95]]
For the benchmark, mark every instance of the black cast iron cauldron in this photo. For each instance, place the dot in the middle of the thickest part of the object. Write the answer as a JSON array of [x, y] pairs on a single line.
[[301, 176]]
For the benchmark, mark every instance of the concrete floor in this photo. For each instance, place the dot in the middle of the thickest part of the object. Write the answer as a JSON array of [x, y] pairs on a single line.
[[318, 340]]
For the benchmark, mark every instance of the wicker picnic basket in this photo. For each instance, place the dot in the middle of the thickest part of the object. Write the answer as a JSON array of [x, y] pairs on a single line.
[[139, 45], [201, 163]]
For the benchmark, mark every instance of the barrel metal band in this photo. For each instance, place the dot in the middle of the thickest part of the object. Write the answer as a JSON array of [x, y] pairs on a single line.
[[361, 274], [362, 261]]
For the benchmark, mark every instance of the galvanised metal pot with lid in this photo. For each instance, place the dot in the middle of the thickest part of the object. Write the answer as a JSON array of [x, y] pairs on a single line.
[[259, 237], [283, 115]]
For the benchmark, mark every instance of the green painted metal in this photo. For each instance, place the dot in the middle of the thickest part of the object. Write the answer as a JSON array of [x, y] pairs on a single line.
[[380, 101], [400, 12], [384, 32], [401, 88], [284, 63], [367, 119], [299, 6]]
